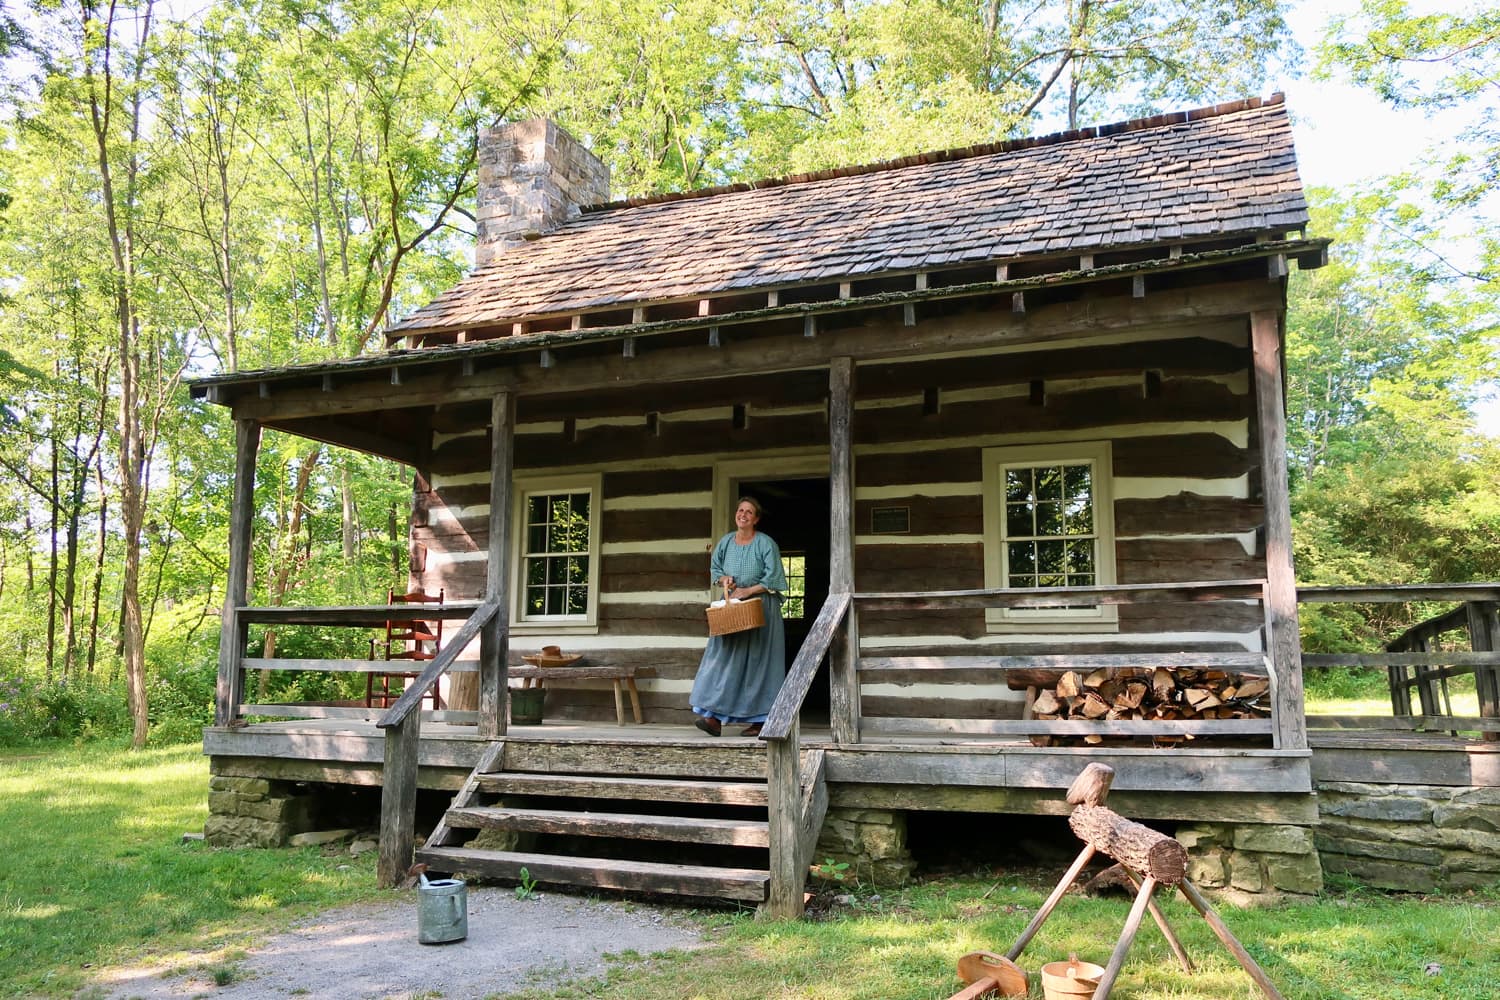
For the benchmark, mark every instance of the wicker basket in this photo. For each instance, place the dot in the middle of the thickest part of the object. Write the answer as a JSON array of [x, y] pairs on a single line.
[[739, 616]]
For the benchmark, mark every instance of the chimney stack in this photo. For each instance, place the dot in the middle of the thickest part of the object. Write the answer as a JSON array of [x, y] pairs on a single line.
[[533, 177]]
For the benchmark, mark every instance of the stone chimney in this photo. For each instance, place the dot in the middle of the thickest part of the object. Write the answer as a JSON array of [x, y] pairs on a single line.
[[533, 176]]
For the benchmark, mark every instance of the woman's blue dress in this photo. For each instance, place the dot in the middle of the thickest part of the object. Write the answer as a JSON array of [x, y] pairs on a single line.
[[740, 673]]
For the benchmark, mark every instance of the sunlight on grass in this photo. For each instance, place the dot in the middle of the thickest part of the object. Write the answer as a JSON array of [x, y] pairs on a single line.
[[96, 872], [1366, 947]]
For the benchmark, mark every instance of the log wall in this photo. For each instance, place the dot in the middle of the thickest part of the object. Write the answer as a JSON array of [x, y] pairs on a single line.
[[1174, 405]]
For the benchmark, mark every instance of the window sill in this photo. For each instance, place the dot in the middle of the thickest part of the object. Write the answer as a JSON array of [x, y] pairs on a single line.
[[554, 628]]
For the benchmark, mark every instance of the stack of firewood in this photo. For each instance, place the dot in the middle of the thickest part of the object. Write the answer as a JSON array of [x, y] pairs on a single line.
[[1141, 693]]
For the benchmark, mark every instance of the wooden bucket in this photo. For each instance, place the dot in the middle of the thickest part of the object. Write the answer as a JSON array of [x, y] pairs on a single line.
[[1071, 979]]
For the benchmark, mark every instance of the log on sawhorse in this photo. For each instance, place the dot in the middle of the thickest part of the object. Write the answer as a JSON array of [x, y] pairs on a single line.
[[1151, 859]]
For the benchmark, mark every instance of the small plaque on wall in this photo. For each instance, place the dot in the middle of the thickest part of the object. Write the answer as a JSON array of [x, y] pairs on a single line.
[[890, 520]]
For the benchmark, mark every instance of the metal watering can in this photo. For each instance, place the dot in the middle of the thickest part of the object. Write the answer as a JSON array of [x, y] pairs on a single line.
[[442, 910]]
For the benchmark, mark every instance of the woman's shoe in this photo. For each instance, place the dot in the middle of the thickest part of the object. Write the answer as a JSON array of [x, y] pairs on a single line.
[[751, 730], [709, 725]]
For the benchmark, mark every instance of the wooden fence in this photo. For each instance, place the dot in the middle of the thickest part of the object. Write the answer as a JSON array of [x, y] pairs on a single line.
[[1421, 661]]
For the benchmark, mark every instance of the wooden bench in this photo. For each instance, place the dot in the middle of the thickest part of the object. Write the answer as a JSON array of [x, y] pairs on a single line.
[[614, 674]]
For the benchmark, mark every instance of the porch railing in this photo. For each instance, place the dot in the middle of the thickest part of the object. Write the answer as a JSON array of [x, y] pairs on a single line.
[[345, 616], [969, 669], [402, 723], [1417, 662]]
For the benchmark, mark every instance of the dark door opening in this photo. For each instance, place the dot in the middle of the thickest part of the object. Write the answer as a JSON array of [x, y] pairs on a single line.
[[796, 516]]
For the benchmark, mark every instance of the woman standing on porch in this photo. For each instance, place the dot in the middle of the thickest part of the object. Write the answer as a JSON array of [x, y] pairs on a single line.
[[740, 673]]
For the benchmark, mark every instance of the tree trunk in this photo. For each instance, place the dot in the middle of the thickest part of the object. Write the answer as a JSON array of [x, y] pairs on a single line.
[[119, 214], [55, 510], [98, 583]]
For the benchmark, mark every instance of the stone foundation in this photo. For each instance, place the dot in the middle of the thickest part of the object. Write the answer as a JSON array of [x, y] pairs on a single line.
[[255, 812], [1252, 858], [872, 841], [1413, 838]]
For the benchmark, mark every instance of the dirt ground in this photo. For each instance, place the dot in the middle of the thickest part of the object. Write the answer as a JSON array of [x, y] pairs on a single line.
[[371, 952]]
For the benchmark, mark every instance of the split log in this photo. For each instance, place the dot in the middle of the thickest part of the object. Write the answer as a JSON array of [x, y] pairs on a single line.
[[1140, 694]]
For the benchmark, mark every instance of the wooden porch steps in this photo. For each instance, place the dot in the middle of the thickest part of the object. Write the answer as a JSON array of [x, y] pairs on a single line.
[[683, 820], [739, 793], [682, 829], [743, 884]]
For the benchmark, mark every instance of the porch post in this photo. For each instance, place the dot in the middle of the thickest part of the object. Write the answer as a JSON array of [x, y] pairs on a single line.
[[494, 639], [1484, 636], [398, 800], [1289, 714], [843, 659], [783, 778], [229, 692]]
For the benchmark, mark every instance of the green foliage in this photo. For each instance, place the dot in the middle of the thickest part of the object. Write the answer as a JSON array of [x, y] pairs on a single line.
[[1433, 59], [830, 870], [34, 710], [527, 888], [1387, 348]]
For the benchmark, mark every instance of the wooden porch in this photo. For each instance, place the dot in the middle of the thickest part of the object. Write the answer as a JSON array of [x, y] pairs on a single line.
[[766, 799]]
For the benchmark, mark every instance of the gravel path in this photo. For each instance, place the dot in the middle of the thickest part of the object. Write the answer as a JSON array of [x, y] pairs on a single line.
[[370, 952]]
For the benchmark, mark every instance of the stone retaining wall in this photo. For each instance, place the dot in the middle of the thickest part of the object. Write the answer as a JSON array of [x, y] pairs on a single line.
[[256, 812], [872, 841], [1415, 838], [1252, 857]]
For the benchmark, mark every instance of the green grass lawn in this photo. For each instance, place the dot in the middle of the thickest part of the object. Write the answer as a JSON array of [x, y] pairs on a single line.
[[1346, 946], [95, 874], [94, 871]]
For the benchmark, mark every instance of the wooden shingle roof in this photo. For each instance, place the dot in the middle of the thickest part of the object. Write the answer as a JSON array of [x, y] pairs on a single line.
[[1183, 178]]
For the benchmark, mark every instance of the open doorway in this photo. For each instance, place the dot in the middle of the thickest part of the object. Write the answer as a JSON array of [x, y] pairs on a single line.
[[796, 516]]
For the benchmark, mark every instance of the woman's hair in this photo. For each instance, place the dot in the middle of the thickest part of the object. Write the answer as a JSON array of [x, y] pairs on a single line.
[[759, 510]]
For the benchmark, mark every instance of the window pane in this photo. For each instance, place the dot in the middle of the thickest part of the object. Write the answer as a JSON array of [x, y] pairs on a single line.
[[1080, 558], [536, 538], [1017, 484], [557, 571], [1018, 520], [578, 600], [1022, 556], [1049, 558], [1079, 481], [1049, 519], [1055, 580], [536, 572], [1049, 483], [555, 599], [1080, 518], [536, 598]]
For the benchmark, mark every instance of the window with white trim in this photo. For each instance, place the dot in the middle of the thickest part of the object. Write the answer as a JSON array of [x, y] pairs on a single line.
[[556, 576], [1049, 522]]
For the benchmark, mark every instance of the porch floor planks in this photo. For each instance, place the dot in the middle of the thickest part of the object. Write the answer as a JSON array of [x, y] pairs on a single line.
[[743, 884], [329, 746]]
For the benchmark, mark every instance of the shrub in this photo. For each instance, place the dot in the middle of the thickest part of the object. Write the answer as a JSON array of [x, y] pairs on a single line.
[[65, 708]]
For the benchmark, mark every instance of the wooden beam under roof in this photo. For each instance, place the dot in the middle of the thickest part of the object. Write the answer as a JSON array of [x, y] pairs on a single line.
[[365, 391]]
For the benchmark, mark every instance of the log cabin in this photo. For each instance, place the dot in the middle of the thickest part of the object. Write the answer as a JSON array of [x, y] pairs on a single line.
[[1015, 412]]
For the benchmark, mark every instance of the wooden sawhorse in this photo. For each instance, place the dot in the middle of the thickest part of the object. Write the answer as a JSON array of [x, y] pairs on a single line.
[[1151, 859]]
